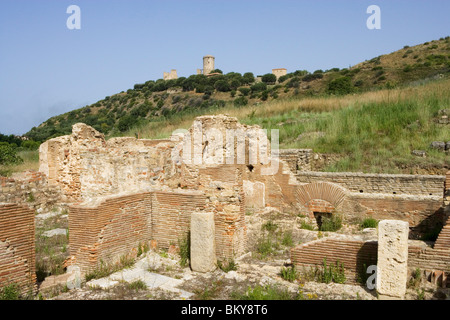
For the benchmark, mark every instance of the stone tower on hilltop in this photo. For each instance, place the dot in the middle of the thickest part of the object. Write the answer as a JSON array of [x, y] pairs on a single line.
[[208, 64]]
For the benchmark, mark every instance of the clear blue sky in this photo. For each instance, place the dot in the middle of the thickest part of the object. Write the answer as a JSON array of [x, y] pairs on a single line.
[[47, 69]]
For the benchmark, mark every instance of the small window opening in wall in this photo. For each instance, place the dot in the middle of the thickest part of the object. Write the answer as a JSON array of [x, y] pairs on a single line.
[[361, 191], [319, 217], [431, 194], [394, 192], [250, 167]]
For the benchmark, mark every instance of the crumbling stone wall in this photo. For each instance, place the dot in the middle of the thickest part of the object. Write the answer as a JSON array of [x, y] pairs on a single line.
[[17, 248], [85, 165], [29, 188], [297, 159]]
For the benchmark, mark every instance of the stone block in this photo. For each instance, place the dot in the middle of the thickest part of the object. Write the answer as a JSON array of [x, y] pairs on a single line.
[[392, 268], [203, 247]]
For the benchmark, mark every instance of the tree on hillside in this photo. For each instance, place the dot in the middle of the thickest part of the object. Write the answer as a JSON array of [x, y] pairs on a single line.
[[269, 78], [248, 78], [222, 85]]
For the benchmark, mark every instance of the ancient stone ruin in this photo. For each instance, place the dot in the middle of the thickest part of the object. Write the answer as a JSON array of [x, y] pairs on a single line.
[[123, 193]]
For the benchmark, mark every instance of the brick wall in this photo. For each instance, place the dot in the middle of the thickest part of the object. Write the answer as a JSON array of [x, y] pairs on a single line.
[[421, 212], [351, 253], [17, 249], [354, 254], [115, 226]]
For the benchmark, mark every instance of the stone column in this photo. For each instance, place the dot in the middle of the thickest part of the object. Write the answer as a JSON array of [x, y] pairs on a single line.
[[203, 245], [392, 268]]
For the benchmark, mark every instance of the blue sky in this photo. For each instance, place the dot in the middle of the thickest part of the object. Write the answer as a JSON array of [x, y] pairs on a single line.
[[47, 69]]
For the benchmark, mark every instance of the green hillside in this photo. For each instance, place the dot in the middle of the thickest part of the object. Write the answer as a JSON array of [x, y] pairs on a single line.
[[152, 100]]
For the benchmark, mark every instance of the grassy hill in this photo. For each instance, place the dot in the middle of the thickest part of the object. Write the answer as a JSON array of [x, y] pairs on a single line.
[[370, 117]]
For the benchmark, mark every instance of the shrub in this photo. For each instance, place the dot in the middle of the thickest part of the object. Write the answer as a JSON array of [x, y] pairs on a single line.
[[104, 270], [341, 86], [185, 249], [293, 83], [264, 95], [269, 78], [240, 101], [332, 273], [137, 285], [258, 87], [10, 292], [125, 123], [289, 274], [266, 246], [248, 78], [227, 266], [407, 68], [8, 154], [283, 78], [369, 223], [287, 239], [269, 226], [332, 223], [222, 85], [311, 77], [244, 91], [306, 226], [234, 84], [416, 279]]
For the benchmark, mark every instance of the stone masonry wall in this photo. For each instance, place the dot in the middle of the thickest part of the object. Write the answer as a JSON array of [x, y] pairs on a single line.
[[379, 183], [85, 165], [17, 256], [297, 159], [29, 188]]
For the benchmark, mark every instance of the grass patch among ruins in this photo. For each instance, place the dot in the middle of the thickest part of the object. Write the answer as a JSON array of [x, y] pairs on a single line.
[[106, 269], [269, 292], [326, 273]]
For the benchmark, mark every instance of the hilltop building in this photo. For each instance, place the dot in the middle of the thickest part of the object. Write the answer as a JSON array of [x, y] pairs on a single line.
[[172, 75]]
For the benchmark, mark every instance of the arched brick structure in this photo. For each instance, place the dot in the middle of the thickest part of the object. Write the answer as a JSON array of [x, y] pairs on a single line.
[[330, 192]]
